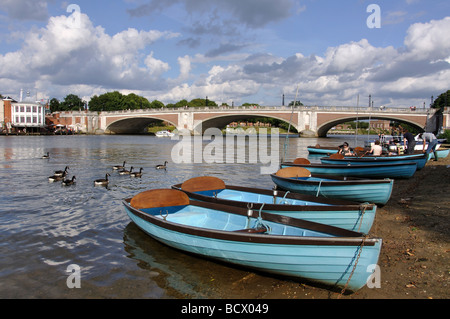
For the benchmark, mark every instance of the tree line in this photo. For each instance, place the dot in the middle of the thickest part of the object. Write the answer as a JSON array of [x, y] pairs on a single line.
[[115, 101]]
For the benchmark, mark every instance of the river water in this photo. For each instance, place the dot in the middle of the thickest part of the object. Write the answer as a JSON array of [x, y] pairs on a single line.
[[46, 227]]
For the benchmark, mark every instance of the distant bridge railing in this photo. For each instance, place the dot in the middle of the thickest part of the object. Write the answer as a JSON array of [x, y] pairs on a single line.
[[351, 109]]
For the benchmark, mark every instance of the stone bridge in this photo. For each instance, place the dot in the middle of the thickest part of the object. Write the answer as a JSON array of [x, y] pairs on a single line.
[[309, 121]]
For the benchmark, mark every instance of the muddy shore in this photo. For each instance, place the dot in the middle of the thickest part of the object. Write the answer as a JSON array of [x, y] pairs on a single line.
[[415, 257]]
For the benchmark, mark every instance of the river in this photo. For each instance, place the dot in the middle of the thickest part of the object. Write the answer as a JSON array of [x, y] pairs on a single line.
[[46, 227]]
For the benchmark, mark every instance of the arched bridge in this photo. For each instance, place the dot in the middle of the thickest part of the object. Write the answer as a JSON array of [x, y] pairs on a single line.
[[309, 121]]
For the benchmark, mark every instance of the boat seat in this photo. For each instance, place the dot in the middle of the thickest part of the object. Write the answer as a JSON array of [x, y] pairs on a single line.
[[293, 171], [337, 156], [303, 161], [159, 198], [203, 183]]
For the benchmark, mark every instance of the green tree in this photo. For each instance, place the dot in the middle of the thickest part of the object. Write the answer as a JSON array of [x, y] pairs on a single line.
[[202, 102], [297, 103], [156, 104], [442, 101], [72, 103], [55, 105]]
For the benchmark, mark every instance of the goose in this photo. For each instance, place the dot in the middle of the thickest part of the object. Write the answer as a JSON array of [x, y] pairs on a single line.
[[125, 172], [120, 166], [46, 155], [137, 174], [56, 178], [161, 166], [60, 173], [68, 182], [102, 181]]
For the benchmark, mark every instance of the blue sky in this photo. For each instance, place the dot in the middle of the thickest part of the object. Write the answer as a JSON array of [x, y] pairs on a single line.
[[233, 51]]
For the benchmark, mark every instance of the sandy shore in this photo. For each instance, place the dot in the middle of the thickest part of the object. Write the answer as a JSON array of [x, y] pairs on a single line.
[[415, 257]]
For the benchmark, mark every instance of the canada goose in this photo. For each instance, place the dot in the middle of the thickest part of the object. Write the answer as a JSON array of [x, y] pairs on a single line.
[[68, 182], [56, 178], [137, 174], [46, 155], [120, 166], [102, 181], [125, 172], [161, 166], [60, 173]]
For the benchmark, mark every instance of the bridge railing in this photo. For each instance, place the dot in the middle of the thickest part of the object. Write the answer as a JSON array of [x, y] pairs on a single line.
[[347, 109]]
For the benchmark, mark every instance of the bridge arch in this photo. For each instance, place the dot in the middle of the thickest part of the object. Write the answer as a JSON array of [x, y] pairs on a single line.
[[221, 121], [323, 129], [132, 125]]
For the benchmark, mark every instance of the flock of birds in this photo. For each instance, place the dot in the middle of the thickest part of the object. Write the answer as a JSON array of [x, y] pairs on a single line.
[[61, 175]]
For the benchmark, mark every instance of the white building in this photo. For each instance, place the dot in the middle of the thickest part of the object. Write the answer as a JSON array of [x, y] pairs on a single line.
[[27, 115]]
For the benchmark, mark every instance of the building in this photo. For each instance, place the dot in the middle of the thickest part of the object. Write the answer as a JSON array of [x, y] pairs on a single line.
[[23, 116]]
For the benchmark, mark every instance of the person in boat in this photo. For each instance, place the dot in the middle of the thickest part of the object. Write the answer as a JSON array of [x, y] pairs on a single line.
[[432, 143], [376, 149], [346, 150], [409, 142]]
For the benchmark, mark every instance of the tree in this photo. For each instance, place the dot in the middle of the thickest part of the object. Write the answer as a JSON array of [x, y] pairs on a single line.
[[55, 105], [442, 101], [156, 104], [297, 103], [72, 103]]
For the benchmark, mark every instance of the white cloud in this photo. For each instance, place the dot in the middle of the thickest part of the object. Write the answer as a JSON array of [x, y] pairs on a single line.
[[64, 54], [429, 40]]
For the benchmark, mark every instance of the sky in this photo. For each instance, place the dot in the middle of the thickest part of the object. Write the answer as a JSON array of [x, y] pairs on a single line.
[[329, 53]]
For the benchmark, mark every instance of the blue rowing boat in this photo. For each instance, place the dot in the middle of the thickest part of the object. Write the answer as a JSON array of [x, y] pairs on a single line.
[[339, 213], [419, 159], [441, 153], [389, 170], [266, 242], [326, 150], [300, 180]]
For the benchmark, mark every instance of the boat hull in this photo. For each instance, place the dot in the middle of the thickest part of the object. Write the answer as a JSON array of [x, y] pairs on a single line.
[[400, 171], [338, 213], [371, 191], [338, 262], [319, 150], [419, 159], [441, 153]]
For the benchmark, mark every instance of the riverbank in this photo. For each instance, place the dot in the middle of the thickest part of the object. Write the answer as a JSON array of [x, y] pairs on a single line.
[[415, 257]]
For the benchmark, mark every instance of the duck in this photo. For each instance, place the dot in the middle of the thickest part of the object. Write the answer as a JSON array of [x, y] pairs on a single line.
[[137, 174], [60, 173], [125, 172], [162, 166], [45, 156], [68, 182], [102, 181], [119, 166]]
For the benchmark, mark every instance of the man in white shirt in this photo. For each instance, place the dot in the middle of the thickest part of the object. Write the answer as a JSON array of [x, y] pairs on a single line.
[[432, 143], [376, 149]]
